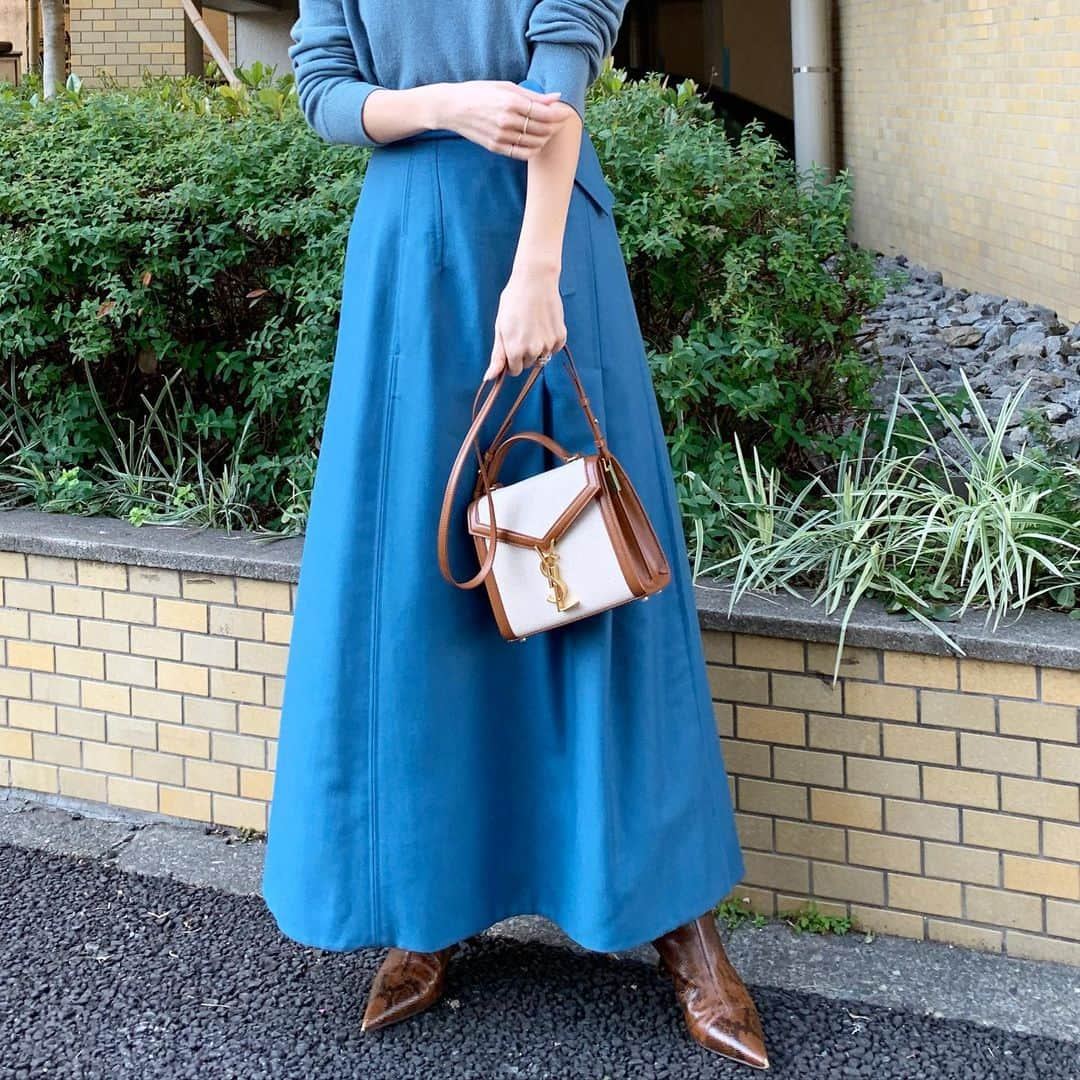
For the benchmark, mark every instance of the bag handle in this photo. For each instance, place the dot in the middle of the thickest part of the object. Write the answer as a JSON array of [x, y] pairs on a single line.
[[481, 409]]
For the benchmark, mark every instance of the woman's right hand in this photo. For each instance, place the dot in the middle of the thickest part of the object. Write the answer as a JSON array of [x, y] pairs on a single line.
[[492, 112]]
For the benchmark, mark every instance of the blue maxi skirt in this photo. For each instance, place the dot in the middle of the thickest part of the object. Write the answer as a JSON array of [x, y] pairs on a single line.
[[432, 778]]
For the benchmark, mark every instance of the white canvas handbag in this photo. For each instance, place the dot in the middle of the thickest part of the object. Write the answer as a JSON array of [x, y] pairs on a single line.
[[557, 546]]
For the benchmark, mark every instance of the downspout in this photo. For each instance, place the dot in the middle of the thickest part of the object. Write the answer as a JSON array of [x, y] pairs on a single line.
[[813, 76]]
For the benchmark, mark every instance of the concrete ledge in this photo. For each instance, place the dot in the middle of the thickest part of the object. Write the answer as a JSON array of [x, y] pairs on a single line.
[[1040, 637]]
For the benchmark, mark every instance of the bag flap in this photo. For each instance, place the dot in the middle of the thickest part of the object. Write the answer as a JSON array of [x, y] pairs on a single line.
[[539, 508]]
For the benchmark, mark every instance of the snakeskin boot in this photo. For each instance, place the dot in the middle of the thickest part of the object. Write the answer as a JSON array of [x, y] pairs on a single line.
[[716, 1005], [406, 983]]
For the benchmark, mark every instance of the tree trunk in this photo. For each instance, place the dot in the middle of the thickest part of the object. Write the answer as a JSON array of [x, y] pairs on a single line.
[[54, 67]]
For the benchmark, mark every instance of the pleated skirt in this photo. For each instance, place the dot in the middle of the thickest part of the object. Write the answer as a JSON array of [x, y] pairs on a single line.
[[432, 778]]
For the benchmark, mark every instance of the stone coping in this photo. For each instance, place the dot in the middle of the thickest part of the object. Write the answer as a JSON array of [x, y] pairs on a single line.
[[1041, 637]]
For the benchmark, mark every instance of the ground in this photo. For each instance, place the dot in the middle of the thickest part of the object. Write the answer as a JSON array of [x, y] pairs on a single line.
[[142, 949]]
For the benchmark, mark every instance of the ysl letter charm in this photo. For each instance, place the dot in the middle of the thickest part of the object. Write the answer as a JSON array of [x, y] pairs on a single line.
[[559, 594]]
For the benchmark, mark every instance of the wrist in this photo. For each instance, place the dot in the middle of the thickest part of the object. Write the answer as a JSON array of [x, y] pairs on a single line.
[[537, 265], [434, 111]]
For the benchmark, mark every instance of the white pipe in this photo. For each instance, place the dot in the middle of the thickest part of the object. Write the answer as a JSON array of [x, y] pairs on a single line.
[[813, 80]]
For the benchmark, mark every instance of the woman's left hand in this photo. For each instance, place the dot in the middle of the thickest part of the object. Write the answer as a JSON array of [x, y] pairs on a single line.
[[530, 321]]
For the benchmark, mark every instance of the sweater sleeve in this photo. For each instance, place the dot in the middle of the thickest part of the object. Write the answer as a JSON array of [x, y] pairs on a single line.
[[569, 40], [333, 73]]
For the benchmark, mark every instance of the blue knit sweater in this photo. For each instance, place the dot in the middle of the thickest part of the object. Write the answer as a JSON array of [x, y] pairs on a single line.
[[344, 49]]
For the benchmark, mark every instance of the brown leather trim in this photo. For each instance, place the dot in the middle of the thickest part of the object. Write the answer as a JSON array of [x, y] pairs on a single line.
[[494, 596], [655, 567]]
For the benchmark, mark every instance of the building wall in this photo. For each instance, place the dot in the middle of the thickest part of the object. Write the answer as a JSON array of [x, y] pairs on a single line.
[[126, 37], [959, 121], [927, 796], [264, 37], [13, 28]]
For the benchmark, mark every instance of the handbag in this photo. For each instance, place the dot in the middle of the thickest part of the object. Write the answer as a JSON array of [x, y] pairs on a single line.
[[557, 546]]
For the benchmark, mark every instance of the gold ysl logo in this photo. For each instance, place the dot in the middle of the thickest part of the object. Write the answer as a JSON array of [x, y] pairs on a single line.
[[549, 567]]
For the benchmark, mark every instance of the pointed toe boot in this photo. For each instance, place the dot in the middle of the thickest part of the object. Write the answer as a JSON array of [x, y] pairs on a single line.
[[717, 1007], [406, 983]]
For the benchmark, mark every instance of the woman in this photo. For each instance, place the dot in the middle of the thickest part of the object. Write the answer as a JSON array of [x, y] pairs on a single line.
[[432, 778]]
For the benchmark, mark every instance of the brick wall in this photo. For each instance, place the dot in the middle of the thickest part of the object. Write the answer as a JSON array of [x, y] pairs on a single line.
[[126, 37], [959, 123], [923, 795]]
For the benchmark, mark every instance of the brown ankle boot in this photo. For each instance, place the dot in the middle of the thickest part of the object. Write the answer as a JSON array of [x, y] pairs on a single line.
[[406, 983], [716, 1005]]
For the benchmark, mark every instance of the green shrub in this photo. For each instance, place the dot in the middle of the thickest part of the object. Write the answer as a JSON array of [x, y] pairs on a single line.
[[170, 276]]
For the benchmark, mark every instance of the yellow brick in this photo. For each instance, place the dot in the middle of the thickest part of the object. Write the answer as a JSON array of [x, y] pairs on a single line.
[[881, 921], [210, 713], [883, 777], [157, 705], [16, 743], [274, 690], [84, 785], [719, 645], [919, 744], [183, 678], [1036, 721], [50, 568], [770, 725], [855, 663], [12, 564], [881, 701], [206, 587], [813, 841], [747, 758], [760, 901], [29, 654], [773, 654], [211, 776], [153, 580], [942, 709], [213, 651], [777, 871], [129, 670], [1061, 686], [139, 794], [74, 600], [968, 937], [278, 628], [1040, 799], [919, 669], [925, 894], [104, 757], [182, 615], [153, 641], [961, 864], [57, 750], [108, 697], [922, 819], [806, 692], [840, 733], [180, 802], [1029, 947], [129, 731], [34, 776], [764, 797], [999, 908], [96, 634], [30, 595], [999, 755], [14, 624], [844, 808], [236, 686], [960, 786], [255, 656], [1061, 841], [269, 595], [994, 677], [35, 715], [1001, 831], [849, 883], [80, 724], [239, 813], [808, 766], [1061, 763], [238, 749], [1062, 919], [102, 575], [236, 622], [54, 629], [128, 608], [259, 784], [884, 852], [724, 716], [178, 739], [1042, 876], [259, 720], [164, 768], [737, 684]]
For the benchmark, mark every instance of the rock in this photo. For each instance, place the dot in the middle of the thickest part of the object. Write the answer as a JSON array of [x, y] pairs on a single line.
[[962, 337]]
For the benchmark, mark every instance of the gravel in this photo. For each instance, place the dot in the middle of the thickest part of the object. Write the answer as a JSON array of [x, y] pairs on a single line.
[[112, 974]]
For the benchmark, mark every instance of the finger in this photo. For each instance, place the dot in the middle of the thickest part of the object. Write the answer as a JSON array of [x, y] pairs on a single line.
[[498, 359], [514, 362]]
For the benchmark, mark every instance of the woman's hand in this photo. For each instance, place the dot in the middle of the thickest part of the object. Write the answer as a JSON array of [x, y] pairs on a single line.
[[492, 113], [529, 323]]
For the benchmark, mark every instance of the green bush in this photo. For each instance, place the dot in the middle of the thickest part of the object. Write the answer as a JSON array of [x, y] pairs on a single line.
[[170, 271]]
